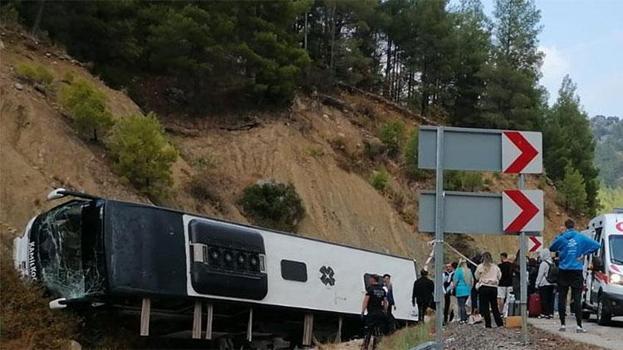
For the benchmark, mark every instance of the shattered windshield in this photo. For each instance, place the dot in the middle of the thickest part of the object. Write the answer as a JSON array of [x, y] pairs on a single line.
[[67, 262]]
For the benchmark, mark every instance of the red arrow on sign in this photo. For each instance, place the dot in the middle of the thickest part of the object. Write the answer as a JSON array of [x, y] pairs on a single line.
[[536, 244], [528, 152], [528, 211]]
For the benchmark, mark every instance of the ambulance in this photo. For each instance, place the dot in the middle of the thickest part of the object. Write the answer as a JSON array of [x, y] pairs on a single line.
[[603, 294]]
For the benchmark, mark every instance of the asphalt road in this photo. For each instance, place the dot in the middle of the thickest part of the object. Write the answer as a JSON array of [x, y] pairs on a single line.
[[607, 337]]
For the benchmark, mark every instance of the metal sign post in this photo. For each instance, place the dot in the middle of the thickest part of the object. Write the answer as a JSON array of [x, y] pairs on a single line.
[[439, 232], [513, 211], [523, 277]]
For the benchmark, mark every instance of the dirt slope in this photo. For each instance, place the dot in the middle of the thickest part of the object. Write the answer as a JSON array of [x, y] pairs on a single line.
[[314, 145]]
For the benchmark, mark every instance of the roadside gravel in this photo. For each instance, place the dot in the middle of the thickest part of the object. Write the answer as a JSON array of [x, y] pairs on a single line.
[[477, 337]]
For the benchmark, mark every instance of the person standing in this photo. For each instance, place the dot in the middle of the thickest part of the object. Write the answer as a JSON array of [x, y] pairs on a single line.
[[448, 274], [488, 275], [375, 303], [545, 288], [571, 247], [477, 259], [423, 289], [506, 282], [463, 282], [391, 305]]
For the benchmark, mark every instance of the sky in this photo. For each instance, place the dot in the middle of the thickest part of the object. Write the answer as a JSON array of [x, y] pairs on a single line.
[[583, 38]]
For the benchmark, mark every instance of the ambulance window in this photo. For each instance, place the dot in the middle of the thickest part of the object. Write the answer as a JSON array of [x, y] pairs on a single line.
[[598, 233], [293, 271], [602, 252]]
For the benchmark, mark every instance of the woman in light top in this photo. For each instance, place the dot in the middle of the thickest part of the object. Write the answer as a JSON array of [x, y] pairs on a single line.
[[462, 281], [488, 275]]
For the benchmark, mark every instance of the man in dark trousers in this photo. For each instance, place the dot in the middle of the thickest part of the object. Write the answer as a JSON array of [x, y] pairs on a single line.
[[423, 290], [375, 302], [506, 283], [391, 305], [571, 246]]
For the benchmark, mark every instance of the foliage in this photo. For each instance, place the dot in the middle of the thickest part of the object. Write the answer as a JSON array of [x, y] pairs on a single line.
[[473, 49], [513, 98], [407, 338], [608, 133], [610, 198], [34, 73], [27, 321], [463, 181], [237, 50], [141, 153], [379, 179], [9, 15], [87, 107], [411, 158], [273, 205], [393, 136], [572, 191], [568, 141]]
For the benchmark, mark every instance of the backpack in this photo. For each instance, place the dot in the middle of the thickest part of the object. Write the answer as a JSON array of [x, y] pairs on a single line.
[[552, 273]]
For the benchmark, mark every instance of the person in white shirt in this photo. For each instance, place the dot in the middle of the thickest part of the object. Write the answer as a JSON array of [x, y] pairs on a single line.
[[488, 275], [545, 288]]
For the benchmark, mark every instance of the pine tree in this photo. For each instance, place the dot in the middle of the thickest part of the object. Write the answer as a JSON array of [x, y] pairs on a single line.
[[568, 142], [513, 98], [572, 191], [473, 48]]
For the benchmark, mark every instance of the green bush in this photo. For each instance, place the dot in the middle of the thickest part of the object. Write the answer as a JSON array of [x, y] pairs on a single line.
[[380, 179], [411, 158], [34, 73], [393, 135], [142, 154], [273, 205], [463, 181], [87, 107]]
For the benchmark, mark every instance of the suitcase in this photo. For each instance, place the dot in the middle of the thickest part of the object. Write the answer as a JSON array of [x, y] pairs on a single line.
[[534, 305]]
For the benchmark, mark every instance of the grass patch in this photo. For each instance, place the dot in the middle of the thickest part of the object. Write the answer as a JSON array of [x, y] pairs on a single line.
[[379, 179], [34, 73], [406, 338], [393, 135], [27, 322]]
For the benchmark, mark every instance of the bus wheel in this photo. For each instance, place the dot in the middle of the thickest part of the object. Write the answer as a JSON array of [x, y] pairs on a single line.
[[603, 314]]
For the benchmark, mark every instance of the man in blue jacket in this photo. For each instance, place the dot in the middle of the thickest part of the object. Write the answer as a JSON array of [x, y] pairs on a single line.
[[571, 247]]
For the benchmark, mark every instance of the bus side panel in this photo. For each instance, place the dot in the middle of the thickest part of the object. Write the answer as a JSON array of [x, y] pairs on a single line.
[[145, 250]]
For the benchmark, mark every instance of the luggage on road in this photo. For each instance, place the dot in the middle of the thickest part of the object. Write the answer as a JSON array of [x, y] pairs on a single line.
[[534, 305]]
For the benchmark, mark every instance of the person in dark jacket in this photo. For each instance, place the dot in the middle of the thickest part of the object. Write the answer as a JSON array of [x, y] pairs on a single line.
[[477, 259], [423, 290], [391, 304]]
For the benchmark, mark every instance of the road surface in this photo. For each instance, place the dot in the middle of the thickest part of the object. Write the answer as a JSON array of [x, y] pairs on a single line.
[[607, 337]]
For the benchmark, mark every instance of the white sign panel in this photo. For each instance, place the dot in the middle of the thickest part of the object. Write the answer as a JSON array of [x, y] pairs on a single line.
[[522, 211], [522, 152]]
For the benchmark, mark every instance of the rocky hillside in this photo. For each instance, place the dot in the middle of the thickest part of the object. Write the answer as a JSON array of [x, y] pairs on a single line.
[[320, 144]]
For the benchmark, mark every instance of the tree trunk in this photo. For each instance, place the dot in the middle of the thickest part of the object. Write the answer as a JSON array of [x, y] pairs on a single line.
[[388, 69], [332, 57], [35, 26]]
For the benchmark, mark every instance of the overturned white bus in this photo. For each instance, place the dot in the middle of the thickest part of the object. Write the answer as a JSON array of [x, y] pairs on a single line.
[[218, 278]]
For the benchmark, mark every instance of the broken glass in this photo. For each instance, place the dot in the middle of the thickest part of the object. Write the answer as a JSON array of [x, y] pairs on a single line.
[[67, 269]]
